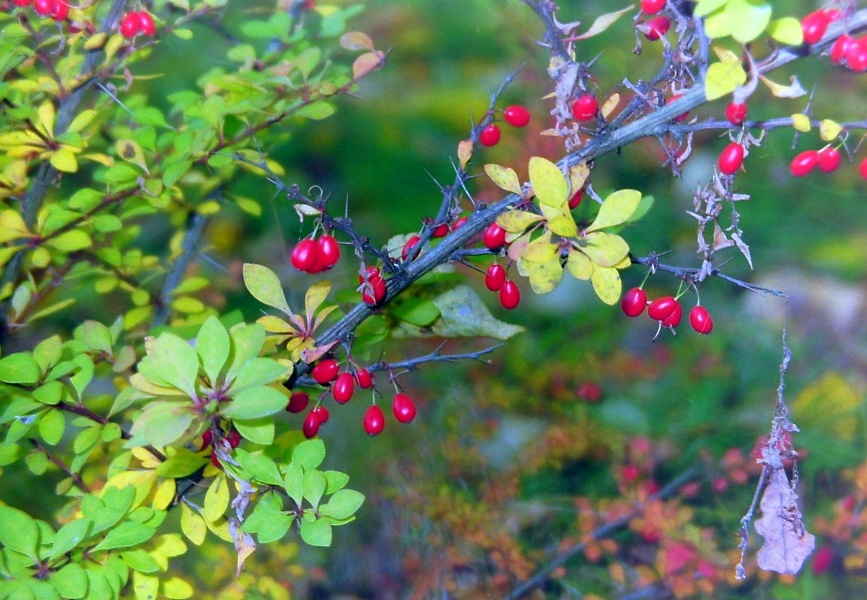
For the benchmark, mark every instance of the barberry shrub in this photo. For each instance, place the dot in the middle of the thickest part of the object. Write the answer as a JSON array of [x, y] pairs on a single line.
[[155, 394]]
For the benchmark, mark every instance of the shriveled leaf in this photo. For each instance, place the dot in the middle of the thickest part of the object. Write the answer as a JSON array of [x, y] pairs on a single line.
[[723, 77], [616, 210], [549, 184], [517, 221], [605, 249], [795, 90], [578, 175], [504, 178], [787, 542], [606, 284], [264, 285], [602, 23]]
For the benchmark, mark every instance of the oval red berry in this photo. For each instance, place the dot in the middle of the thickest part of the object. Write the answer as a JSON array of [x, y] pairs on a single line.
[[364, 379], [516, 115], [510, 295], [311, 424], [829, 160], [634, 302], [374, 420], [803, 163], [304, 255], [298, 401], [404, 408], [325, 371], [700, 320], [814, 26], [736, 113], [651, 7], [329, 251], [495, 277], [656, 28], [673, 320], [343, 388], [490, 135], [494, 237], [662, 308], [585, 108], [731, 158]]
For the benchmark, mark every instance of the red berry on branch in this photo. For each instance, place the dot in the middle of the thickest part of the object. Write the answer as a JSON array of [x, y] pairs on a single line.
[[325, 371], [311, 424], [441, 230], [494, 237], [234, 438], [304, 255], [673, 320], [585, 108], [343, 388], [856, 55], [207, 438], [490, 135], [656, 28], [576, 198], [23, 2], [321, 413], [829, 159], [803, 163], [662, 308], [130, 25], [814, 26], [510, 294], [44, 8], [216, 461], [364, 379], [146, 23], [61, 10], [736, 113], [634, 302], [840, 48], [328, 251], [862, 169], [700, 320], [731, 158], [460, 221], [372, 286], [374, 420], [298, 401], [404, 408], [411, 243], [495, 277], [516, 115], [651, 7]]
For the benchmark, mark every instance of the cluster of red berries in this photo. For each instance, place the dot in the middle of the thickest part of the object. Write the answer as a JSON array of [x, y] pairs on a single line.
[[315, 256], [658, 26], [494, 238], [827, 160], [515, 115], [667, 310], [846, 51], [814, 25], [372, 286], [137, 22], [233, 438], [56, 9]]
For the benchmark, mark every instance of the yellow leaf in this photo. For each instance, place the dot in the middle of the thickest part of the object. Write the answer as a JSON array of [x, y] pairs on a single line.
[[724, 54], [624, 264], [46, 118], [608, 107], [64, 160], [517, 221], [579, 265], [169, 545], [95, 42], [603, 22], [465, 152], [795, 90], [605, 249], [177, 588], [801, 122], [787, 31], [541, 263], [12, 226], [193, 525], [220, 529], [549, 184], [616, 209], [517, 245], [830, 405], [130, 151], [722, 78], [315, 296], [829, 130], [606, 283], [81, 121], [216, 499], [164, 495], [145, 587], [504, 178], [578, 175], [540, 249], [275, 325], [564, 225]]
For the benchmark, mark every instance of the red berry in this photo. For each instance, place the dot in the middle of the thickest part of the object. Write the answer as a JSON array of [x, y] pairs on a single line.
[[804, 163], [304, 255], [585, 108], [494, 237], [651, 7], [321, 413], [61, 11], [856, 55], [404, 408], [411, 243], [207, 438], [234, 438], [700, 320], [441, 230], [23, 2], [589, 392], [364, 379], [516, 115], [662, 308], [656, 28], [490, 135], [634, 302], [840, 47], [311, 424], [673, 320], [298, 401], [829, 160], [510, 294], [129, 25], [325, 371], [460, 221], [146, 23], [576, 198], [862, 169], [629, 473], [216, 461], [731, 158], [374, 420], [372, 286], [736, 113], [44, 8], [679, 118], [343, 388], [495, 277], [329, 252], [823, 559], [814, 25]]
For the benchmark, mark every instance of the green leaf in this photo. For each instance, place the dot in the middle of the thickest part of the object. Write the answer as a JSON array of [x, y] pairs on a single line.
[[255, 402], [70, 241], [309, 454], [49, 393], [748, 20], [161, 423], [264, 285], [180, 464], [19, 531], [504, 178], [70, 581], [258, 431], [334, 481], [69, 536], [140, 560], [148, 115], [95, 336], [247, 341], [126, 535], [723, 78], [418, 311], [616, 209], [257, 372], [705, 7], [549, 184], [171, 362], [314, 486], [19, 368], [47, 352], [342, 504], [259, 466], [316, 111], [275, 528], [316, 533], [293, 482], [213, 346], [52, 425]]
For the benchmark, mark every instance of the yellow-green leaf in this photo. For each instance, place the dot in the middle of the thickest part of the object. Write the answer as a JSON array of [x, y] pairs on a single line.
[[541, 263], [145, 587], [605, 249], [70, 241], [606, 283], [801, 122], [705, 7], [193, 525], [516, 221], [177, 588], [579, 265], [264, 285], [830, 405], [81, 121], [549, 184], [46, 115], [829, 130], [130, 151], [315, 296], [64, 160], [603, 22], [216, 499], [12, 226], [504, 177], [747, 19], [722, 78], [578, 173], [465, 152], [787, 31], [563, 224], [616, 209]]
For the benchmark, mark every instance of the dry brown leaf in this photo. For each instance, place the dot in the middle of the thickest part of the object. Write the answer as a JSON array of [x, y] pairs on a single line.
[[787, 543]]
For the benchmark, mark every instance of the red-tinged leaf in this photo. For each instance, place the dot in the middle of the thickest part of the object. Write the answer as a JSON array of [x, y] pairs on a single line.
[[356, 40], [367, 63], [465, 152]]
